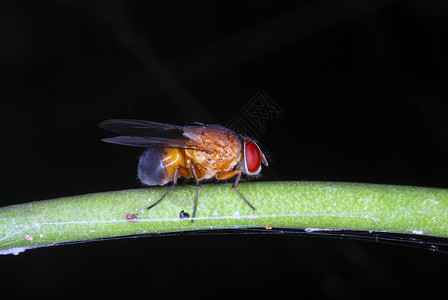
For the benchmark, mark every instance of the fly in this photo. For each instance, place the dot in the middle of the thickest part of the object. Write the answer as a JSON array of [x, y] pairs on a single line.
[[197, 151]]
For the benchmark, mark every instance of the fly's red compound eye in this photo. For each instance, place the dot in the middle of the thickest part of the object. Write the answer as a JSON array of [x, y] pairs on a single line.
[[252, 158]]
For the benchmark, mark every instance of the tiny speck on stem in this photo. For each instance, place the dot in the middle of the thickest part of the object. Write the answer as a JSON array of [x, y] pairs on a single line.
[[184, 215]]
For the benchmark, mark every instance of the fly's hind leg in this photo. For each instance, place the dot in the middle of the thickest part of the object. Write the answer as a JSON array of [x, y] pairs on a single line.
[[230, 174], [180, 169]]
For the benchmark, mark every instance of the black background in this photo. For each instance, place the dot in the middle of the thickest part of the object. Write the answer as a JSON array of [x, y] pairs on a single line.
[[363, 88]]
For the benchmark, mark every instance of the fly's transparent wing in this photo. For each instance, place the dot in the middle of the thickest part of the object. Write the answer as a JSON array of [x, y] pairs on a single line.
[[149, 142], [140, 128], [139, 133]]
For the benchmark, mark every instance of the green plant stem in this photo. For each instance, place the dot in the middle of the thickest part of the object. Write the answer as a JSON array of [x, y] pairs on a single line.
[[326, 205]]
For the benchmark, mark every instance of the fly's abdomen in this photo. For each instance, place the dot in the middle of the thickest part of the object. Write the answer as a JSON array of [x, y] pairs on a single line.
[[151, 167]]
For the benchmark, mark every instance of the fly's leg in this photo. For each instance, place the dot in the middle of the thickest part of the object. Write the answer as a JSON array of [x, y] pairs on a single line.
[[238, 192], [169, 189], [197, 192], [230, 174]]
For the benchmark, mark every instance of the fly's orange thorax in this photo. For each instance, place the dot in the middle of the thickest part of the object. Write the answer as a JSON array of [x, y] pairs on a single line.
[[172, 158], [220, 150]]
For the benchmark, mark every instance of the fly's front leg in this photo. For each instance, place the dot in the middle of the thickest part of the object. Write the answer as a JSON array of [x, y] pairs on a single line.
[[230, 174]]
